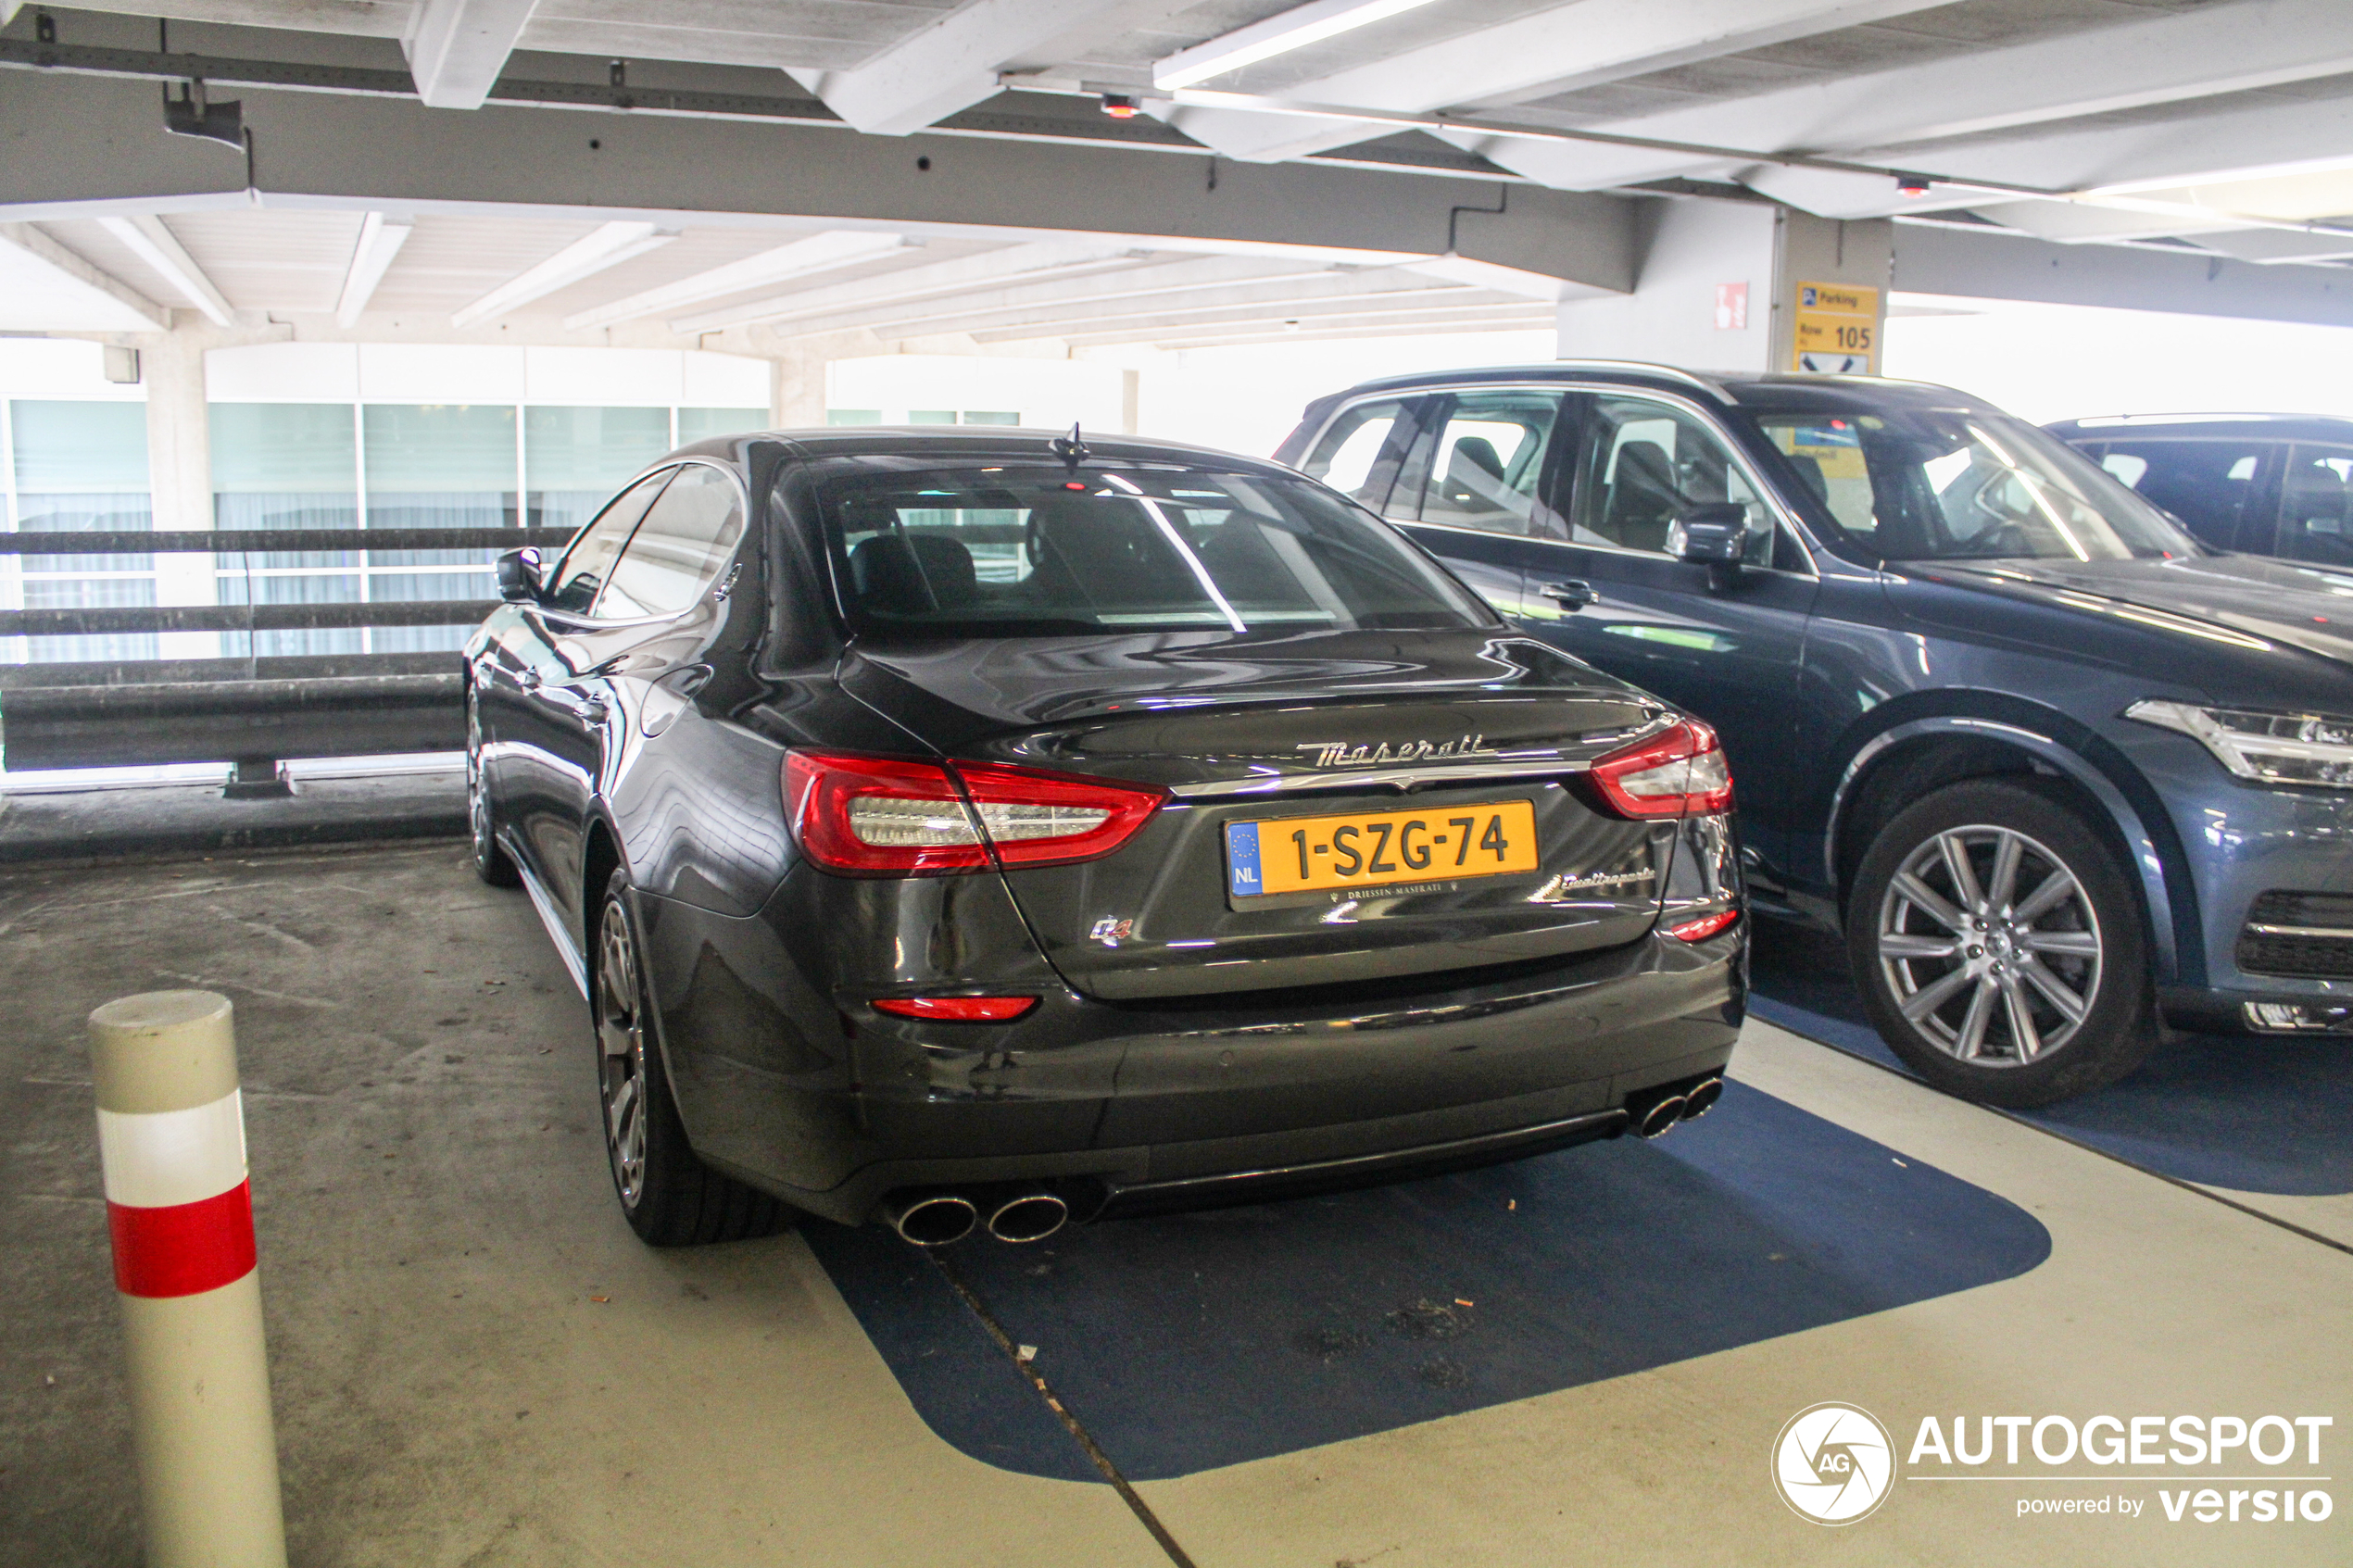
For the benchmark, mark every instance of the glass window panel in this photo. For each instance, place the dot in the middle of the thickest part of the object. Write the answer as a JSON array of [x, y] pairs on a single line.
[[574, 458], [439, 465], [931, 417], [1645, 464], [677, 552], [2207, 484], [2316, 521], [284, 464], [992, 416], [834, 416], [587, 564], [80, 446], [1485, 463], [702, 424], [263, 448], [1343, 458]]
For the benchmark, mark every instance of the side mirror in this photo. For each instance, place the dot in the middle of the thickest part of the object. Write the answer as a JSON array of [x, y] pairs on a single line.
[[519, 576], [1713, 534]]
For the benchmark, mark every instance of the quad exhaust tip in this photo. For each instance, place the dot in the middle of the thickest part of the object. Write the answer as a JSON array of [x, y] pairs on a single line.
[[931, 1219], [1029, 1216], [1654, 1123], [1657, 1118], [1704, 1096]]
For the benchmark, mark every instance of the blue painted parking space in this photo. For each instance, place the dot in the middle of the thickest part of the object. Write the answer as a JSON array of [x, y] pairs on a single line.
[[2248, 1113], [1193, 1341]]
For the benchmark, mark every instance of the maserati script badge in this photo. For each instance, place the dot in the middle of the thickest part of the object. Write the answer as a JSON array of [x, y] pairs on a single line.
[[1340, 754]]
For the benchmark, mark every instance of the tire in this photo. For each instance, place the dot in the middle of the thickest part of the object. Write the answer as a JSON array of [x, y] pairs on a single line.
[[491, 863], [2024, 985], [670, 1197]]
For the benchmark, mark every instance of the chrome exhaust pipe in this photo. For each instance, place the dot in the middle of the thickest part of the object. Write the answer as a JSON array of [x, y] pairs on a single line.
[[1030, 1216], [930, 1218], [1703, 1095], [1654, 1122]]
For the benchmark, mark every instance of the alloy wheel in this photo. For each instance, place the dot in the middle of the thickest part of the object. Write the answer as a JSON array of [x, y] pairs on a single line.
[[477, 798], [1989, 946], [620, 1041]]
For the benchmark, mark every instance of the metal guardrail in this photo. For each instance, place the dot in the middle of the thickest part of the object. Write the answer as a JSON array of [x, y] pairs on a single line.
[[242, 618], [230, 541], [248, 711]]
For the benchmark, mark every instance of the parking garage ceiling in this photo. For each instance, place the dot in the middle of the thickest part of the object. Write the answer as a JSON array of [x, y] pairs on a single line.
[[424, 166]]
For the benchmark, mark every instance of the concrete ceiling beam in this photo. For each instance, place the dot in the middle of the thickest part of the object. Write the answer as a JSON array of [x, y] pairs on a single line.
[[1555, 51], [45, 287], [147, 237], [952, 64], [457, 48]]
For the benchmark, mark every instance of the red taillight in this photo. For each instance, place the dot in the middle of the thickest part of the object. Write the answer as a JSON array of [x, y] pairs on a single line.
[[1680, 773], [1705, 927], [1034, 818], [957, 1009], [874, 816]]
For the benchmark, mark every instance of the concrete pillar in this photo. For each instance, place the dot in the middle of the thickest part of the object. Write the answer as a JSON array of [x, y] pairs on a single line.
[[179, 477], [1719, 286], [1132, 402], [796, 385]]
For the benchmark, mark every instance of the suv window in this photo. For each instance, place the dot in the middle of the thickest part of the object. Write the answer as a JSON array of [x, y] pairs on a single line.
[[677, 551], [2316, 521], [2209, 484], [1480, 464], [1347, 456], [1642, 464], [589, 561]]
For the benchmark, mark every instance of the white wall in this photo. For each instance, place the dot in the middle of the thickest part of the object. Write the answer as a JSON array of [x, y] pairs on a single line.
[[1047, 393], [406, 372], [1247, 400], [1671, 317], [2046, 362], [42, 368]]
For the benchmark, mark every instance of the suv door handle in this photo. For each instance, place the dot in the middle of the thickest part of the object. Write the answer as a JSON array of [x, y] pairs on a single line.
[[1571, 595]]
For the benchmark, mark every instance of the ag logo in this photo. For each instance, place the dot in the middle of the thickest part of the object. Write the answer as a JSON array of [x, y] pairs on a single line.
[[1833, 1463]]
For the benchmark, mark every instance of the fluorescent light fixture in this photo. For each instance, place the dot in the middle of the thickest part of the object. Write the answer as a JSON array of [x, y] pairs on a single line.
[[380, 240], [1277, 35], [609, 244], [817, 253]]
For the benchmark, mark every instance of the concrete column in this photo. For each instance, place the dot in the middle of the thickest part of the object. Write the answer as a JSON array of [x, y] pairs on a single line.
[[1858, 259], [179, 477], [1717, 286], [1132, 402], [796, 386]]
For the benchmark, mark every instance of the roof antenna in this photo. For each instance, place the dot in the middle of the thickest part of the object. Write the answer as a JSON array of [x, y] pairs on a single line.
[[1071, 449]]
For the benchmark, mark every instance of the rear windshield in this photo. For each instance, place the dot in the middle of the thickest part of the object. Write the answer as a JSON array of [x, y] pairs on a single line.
[[1937, 484], [1007, 550]]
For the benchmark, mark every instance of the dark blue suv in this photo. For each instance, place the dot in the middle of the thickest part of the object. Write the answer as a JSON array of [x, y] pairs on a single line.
[[2269, 485], [2054, 769]]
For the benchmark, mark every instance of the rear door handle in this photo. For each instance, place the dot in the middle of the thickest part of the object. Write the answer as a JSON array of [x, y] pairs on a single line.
[[1572, 595]]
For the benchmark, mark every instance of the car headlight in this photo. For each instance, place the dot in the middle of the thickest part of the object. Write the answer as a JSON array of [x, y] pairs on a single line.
[[2281, 748]]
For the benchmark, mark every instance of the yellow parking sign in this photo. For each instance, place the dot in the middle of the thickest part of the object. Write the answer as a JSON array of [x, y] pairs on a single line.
[[1837, 329]]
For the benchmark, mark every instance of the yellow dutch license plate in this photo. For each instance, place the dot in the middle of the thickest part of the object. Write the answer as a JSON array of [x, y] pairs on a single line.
[[1379, 848]]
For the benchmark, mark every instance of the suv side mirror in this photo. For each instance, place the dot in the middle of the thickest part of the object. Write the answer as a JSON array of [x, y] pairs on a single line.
[[1713, 534], [519, 575]]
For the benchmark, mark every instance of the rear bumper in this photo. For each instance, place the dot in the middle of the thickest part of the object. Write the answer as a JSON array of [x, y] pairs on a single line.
[[1160, 1106]]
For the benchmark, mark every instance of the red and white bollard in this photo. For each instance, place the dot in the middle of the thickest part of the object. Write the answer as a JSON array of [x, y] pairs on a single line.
[[171, 1136]]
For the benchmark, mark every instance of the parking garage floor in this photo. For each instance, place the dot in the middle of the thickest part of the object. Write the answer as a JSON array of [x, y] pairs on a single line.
[[1580, 1356]]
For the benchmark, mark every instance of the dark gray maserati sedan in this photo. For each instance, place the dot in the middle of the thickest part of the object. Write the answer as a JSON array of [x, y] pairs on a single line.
[[981, 828]]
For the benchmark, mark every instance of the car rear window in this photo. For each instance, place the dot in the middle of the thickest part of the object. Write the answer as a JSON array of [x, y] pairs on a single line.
[[1012, 550]]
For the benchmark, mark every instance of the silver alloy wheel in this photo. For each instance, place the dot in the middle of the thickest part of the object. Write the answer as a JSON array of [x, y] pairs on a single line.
[[477, 798], [621, 1042], [1989, 977]]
